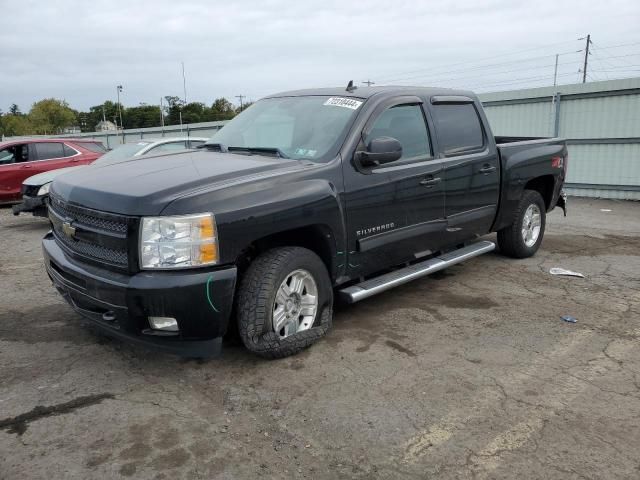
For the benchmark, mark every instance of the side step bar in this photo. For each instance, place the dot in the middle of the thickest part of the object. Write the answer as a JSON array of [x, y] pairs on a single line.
[[371, 287]]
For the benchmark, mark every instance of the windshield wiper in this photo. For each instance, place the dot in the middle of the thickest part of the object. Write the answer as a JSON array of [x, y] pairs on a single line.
[[216, 147], [275, 152]]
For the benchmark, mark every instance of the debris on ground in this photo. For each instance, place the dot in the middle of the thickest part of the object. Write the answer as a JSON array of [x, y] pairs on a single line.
[[569, 318], [605, 210], [562, 271]]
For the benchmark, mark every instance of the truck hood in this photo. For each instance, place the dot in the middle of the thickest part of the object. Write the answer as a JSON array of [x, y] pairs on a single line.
[[46, 177], [148, 184]]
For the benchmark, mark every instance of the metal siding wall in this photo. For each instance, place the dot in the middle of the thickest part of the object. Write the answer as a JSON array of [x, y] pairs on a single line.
[[602, 117], [602, 111], [523, 119], [112, 139], [609, 164]]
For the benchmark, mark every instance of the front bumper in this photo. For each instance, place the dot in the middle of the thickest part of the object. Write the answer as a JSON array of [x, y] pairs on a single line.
[[120, 304], [36, 205]]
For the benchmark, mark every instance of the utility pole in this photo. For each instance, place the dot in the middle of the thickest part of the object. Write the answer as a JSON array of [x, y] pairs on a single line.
[[119, 89], [368, 83], [161, 114], [555, 71], [240, 97], [586, 57]]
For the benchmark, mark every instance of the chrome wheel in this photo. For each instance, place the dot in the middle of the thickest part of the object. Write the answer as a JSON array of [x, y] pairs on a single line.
[[531, 225], [296, 304]]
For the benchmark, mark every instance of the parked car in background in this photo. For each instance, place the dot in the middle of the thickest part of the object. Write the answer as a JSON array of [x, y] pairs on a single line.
[[35, 189], [20, 159]]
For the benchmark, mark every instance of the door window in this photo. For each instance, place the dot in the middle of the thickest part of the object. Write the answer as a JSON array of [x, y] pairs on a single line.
[[406, 124], [68, 151], [458, 127], [48, 150], [7, 156], [14, 154]]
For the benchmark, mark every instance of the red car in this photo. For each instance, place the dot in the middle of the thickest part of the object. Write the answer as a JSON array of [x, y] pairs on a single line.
[[20, 159]]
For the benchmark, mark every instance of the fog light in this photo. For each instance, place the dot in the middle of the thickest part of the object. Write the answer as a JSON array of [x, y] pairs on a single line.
[[166, 324]]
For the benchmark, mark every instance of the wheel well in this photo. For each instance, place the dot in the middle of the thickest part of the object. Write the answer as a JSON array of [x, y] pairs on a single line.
[[317, 238], [544, 186]]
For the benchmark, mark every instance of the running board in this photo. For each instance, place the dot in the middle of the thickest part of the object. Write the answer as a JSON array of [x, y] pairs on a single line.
[[371, 287]]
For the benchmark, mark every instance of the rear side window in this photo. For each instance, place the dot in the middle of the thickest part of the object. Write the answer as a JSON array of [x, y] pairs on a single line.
[[458, 127], [68, 151], [48, 150], [94, 147]]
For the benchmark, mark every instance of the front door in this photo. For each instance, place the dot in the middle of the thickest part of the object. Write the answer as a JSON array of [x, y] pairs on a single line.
[[395, 211], [13, 159]]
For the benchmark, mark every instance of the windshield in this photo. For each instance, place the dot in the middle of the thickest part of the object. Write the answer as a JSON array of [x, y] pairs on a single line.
[[310, 128], [122, 152]]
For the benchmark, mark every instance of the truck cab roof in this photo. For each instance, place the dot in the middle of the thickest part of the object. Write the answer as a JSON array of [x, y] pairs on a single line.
[[368, 92]]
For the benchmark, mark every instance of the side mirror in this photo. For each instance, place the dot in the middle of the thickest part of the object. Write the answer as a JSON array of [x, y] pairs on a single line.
[[381, 150]]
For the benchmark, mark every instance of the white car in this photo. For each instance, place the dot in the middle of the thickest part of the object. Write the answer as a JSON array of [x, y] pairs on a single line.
[[35, 189]]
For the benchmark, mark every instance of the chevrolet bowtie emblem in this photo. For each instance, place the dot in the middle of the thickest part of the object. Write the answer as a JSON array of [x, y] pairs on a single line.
[[68, 229]]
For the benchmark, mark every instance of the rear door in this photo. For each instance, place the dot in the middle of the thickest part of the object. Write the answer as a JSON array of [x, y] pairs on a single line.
[[51, 156], [471, 166], [395, 211]]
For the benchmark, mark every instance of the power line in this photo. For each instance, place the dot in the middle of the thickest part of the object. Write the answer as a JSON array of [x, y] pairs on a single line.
[[483, 59], [481, 67]]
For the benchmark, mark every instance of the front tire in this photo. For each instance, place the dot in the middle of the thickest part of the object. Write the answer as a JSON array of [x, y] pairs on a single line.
[[523, 237], [285, 302]]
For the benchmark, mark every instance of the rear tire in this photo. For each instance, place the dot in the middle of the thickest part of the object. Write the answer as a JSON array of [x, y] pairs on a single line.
[[285, 302], [523, 237]]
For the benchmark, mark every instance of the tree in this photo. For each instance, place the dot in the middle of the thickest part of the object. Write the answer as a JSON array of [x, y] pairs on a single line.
[[14, 109], [194, 112], [222, 109], [15, 125], [107, 110], [174, 106], [142, 116], [50, 116]]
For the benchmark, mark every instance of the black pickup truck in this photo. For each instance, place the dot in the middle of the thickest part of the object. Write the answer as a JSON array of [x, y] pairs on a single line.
[[304, 195]]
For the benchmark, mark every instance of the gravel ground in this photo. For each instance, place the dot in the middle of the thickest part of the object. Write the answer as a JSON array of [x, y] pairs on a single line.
[[469, 373]]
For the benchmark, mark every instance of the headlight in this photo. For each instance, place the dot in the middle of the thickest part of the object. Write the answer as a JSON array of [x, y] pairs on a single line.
[[44, 189], [178, 242]]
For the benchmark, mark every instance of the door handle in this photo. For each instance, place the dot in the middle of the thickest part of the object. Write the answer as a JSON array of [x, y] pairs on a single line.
[[25, 166], [430, 181], [74, 160], [487, 169]]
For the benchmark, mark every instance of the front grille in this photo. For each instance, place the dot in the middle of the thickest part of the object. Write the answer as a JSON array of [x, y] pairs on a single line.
[[96, 236], [91, 218]]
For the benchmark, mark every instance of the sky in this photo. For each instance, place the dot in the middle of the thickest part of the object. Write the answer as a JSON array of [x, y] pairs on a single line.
[[80, 51]]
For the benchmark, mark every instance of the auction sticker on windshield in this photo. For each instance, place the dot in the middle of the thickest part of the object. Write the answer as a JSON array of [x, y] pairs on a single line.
[[343, 102]]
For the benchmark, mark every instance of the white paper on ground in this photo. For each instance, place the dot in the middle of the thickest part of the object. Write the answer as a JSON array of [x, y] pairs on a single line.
[[562, 271]]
